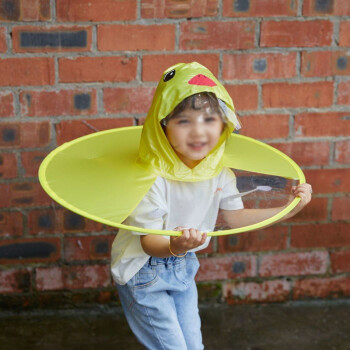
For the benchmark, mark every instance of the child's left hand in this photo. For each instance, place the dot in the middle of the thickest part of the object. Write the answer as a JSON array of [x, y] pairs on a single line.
[[303, 191]]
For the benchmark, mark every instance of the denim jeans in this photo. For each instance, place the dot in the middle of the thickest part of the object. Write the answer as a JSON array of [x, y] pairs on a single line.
[[161, 304]]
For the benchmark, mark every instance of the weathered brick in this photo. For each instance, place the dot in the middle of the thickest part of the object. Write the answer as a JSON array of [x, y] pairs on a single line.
[[153, 66], [27, 71], [8, 166], [97, 69], [6, 104], [316, 210], [325, 63], [29, 250], [342, 152], [259, 66], [259, 8], [329, 180], [293, 264], [53, 39], [72, 277], [25, 10], [217, 35], [272, 238], [320, 235], [344, 33], [265, 126], [306, 153], [15, 281], [88, 248], [293, 95], [326, 8], [338, 287], [3, 45], [31, 161], [96, 10], [58, 103], [255, 292], [245, 97], [128, 100], [344, 93], [213, 269], [23, 135], [178, 9], [68, 130], [119, 37], [11, 224], [341, 209], [340, 261], [322, 124], [296, 33]]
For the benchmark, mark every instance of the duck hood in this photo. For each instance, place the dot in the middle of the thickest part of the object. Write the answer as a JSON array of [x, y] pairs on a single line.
[[155, 152]]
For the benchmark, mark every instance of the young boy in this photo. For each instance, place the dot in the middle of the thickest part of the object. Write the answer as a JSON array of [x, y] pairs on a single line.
[[155, 274]]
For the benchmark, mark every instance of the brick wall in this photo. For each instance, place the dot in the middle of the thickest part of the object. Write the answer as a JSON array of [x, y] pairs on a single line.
[[69, 68]]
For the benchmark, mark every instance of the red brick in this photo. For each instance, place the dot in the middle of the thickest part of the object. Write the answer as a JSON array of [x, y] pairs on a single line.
[[344, 93], [245, 97], [8, 166], [326, 8], [316, 210], [253, 292], [179, 9], [344, 33], [31, 161], [23, 251], [217, 35], [322, 124], [320, 235], [128, 100], [58, 103], [15, 281], [87, 248], [6, 104], [342, 152], [24, 135], [21, 33], [153, 66], [212, 269], [26, 11], [324, 63], [3, 45], [259, 66], [265, 126], [296, 33], [95, 10], [72, 277], [119, 37], [294, 264], [68, 130], [97, 69], [341, 208], [27, 71], [259, 8], [294, 95], [340, 261], [11, 224], [338, 287], [272, 238], [329, 180], [306, 153]]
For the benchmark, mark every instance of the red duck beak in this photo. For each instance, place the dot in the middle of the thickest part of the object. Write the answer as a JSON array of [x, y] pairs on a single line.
[[201, 79]]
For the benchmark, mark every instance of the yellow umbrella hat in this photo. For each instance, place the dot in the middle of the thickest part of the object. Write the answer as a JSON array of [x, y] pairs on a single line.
[[103, 176]]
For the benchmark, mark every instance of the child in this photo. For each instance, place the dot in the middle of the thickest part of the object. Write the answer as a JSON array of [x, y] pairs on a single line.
[[155, 274]]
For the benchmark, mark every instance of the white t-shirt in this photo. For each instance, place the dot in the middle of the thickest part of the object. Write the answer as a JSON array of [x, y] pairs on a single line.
[[170, 204]]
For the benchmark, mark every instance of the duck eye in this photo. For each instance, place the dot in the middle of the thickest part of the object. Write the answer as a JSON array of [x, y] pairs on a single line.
[[168, 76]]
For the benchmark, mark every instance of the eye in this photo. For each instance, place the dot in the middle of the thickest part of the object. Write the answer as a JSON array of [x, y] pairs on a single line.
[[182, 121], [168, 76]]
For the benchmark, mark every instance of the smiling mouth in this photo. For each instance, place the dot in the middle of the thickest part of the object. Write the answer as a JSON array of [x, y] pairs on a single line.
[[197, 145]]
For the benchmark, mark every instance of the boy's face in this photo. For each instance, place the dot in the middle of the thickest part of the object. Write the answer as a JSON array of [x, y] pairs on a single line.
[[193, 134]]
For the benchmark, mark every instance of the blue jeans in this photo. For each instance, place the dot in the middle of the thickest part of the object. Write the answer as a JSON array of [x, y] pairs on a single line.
[[161, 304]]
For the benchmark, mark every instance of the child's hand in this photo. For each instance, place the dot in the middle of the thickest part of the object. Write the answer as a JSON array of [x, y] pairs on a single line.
[[303, 191], [191, 238]]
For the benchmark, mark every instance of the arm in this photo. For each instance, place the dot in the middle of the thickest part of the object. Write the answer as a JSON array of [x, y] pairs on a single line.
[[245, 217]]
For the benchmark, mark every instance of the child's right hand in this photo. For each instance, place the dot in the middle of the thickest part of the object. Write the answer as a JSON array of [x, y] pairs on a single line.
[[191, 238]]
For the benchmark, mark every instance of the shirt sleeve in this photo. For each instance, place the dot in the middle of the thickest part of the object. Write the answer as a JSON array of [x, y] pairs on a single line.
[[231, 198]]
